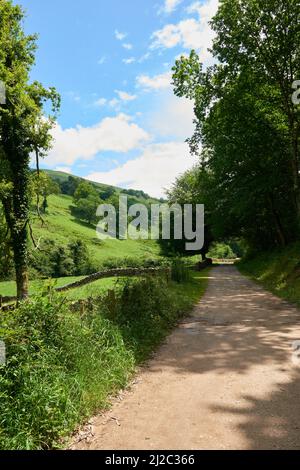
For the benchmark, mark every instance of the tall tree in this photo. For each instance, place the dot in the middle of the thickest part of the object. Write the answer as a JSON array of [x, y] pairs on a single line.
[[24, 129]]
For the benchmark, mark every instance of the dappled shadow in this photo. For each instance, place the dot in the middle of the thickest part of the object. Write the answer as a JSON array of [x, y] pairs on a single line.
[[235, 326]]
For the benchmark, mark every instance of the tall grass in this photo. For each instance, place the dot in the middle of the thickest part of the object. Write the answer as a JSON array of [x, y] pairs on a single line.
[[63, 365]]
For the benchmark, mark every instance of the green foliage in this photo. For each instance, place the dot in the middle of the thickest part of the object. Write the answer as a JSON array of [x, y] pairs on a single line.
[[62, 228], [69, 186], [85, 209], [80, 256], [62, 367], [6, 256], [86, 200], [24, 129], [221, 251], [85, 190], [189, 188]]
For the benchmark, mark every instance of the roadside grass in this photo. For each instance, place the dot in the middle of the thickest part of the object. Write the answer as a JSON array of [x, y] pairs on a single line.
[[278, 271], [62, 365]]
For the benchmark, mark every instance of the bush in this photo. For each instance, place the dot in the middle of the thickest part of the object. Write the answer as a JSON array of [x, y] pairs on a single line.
[[221, 251], [62, 366]]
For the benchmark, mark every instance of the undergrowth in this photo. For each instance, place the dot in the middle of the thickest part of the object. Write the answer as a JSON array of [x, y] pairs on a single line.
[[62, 365]]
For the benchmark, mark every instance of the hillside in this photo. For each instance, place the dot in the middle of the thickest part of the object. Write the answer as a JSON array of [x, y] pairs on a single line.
[[61, 227]]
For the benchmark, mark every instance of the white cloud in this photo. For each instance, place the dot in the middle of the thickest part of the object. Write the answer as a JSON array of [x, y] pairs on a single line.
[[153, 172], [102, 60], [120, 36], [116, 134], [170, 5], [101, 102], [131, 60], [191, 33], [127, 46], [157, 82], [125, 96], [169, 36]]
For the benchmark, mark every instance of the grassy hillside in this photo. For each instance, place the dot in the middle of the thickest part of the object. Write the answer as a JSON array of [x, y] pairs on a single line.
[[278, 271], [62, 227]]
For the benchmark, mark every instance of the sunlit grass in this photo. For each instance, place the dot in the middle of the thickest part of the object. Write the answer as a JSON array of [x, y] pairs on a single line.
[[278, 271]]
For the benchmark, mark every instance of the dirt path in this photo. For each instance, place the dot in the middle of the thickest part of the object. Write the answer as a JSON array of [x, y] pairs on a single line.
[[225, 379]]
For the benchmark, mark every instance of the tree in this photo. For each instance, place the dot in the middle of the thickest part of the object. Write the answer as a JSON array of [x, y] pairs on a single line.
[[70, 185], [86, 199], [24, 129], [80, 256], [85, 209], [6, 260], [243, 121], [85, 190]]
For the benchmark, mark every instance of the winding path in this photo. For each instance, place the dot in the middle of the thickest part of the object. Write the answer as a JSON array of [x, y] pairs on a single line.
[[225, 379]]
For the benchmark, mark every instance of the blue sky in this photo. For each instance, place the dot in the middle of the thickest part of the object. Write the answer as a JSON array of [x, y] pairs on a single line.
[[111, 62]]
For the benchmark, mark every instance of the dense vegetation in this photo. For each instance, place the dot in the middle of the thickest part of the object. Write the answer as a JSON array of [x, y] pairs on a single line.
[[62, 366]]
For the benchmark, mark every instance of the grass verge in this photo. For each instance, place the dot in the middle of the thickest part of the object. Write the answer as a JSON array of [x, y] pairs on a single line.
[[62, 366]]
